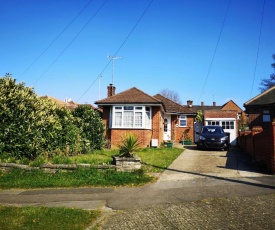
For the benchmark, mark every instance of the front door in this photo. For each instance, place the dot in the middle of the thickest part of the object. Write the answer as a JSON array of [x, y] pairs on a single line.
[[167, 128]]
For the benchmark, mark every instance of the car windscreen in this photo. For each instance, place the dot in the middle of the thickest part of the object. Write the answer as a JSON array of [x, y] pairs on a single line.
[[212, 130]]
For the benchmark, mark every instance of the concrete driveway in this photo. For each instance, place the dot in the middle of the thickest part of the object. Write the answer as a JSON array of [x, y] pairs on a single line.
[[195, 164]]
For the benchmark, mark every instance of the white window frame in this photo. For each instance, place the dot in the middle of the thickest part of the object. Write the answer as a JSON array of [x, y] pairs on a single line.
[[131, 117], [223, 122], [182, 118]]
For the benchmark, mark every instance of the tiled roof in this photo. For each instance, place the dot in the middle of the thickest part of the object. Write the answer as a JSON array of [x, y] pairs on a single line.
[[196, 108], [173, 107], [265, 98], [69, 105], [129, 96]]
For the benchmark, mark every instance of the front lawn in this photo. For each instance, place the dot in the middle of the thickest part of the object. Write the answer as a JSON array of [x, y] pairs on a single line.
[[158, 159], [153, 160]]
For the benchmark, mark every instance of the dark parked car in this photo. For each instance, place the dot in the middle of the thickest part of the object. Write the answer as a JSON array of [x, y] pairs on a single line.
[[213, 137]]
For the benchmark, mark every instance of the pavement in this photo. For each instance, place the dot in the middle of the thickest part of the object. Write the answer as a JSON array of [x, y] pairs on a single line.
[[199, 190]]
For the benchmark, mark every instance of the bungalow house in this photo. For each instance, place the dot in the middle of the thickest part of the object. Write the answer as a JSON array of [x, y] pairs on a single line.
[[261, 109], [230, 116], [154, 119]]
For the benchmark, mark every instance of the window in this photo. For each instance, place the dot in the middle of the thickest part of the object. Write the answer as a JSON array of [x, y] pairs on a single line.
[[228, 124], [183, 121], [266, 116], [131, 117], [165, 124], [213, 123]]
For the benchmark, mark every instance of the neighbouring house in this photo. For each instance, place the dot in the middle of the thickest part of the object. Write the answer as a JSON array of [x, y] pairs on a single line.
[[259, 140], [154, 119], [230, 116], [261, 109], [67, 103]]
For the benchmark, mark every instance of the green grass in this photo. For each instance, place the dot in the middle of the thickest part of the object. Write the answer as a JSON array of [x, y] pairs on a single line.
[[158, 159], [45, 218], [18, 178], [153, 160]]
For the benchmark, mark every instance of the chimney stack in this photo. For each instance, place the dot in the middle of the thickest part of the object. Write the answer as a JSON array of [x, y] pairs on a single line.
[[189, 103], [111, 90], [214, 103], [202, 103]]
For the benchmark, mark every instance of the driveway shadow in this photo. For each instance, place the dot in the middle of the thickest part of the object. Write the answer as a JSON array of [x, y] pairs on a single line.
[[236, 160]]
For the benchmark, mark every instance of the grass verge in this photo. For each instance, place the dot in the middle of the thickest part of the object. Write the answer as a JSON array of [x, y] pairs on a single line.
[[18, 178], [46, 218]]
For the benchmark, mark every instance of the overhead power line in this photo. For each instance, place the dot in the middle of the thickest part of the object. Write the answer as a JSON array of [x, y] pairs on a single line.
[[71, 22], [258, 49], [119, 48], [102, 5], [216, 48]]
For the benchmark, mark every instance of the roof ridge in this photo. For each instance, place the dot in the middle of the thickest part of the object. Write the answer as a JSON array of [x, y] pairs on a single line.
[[176, 103], [259, 95], [146, 94], [233, 102], [130, 93]]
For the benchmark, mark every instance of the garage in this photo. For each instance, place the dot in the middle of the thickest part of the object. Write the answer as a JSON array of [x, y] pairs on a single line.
[[228, 124]]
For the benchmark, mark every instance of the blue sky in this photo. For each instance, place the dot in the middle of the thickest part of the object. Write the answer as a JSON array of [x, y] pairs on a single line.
[[182, 45]]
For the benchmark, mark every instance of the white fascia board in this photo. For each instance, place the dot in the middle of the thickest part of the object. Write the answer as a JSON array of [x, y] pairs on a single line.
[[184, 114], [132, 104]]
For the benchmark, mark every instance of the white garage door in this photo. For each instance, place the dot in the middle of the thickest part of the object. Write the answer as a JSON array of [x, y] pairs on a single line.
[[229, 126]]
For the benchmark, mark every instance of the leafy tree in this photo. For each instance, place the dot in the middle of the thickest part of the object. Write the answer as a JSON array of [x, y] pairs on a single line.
[[199, 117], [267, 83], [170, 94], [69, 136], [28, 123], [31, 126], [91, 126]]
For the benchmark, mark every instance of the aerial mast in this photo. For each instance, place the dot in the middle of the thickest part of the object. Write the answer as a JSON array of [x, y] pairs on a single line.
[[113, 58]]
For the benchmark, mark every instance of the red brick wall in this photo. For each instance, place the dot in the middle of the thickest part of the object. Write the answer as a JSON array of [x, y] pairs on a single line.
[[105, 119], [157, 124], [256, 116], [144, 136], [177, 132], [231, 106], [260, 144]]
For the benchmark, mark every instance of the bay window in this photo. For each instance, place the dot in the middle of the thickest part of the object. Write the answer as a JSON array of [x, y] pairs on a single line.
[[131, 117]]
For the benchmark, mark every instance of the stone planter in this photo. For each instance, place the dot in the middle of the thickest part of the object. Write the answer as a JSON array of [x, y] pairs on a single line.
[[127, 163]]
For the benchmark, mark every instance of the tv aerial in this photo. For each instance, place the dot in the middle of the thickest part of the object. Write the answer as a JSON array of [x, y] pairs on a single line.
[[113, 58]]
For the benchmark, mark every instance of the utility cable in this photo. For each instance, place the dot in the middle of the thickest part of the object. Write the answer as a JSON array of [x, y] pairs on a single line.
[[119, 48], [102, 5], [56, 38], [217, 44], [257, 56]]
